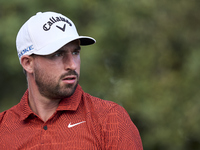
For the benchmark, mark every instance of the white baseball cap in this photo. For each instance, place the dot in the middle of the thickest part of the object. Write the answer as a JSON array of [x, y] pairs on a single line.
[[47, 32]]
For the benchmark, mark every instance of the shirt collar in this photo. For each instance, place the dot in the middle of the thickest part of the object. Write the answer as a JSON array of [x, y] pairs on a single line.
[[72, 102], [69, 103], [24, 107]]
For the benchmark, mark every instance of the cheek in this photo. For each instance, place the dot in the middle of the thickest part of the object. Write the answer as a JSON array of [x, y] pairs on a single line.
[[45, 71], [78, 66]]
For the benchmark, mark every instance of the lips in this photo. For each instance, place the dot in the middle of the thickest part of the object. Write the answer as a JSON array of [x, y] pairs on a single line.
[[69, 79]]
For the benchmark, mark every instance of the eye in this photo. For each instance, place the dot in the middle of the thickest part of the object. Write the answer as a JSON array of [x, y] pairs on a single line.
[[58, 54], [76, 52]]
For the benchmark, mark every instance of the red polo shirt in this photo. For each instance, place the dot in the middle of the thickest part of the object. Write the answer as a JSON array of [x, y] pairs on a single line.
[[80, 122]]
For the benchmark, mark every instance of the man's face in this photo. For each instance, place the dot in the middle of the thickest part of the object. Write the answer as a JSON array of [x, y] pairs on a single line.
[[57, 75]]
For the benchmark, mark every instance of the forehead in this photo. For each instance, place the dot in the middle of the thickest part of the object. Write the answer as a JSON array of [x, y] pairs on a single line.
[[71, 46]]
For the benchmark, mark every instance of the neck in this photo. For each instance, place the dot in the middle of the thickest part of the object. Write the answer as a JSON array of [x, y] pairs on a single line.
[[41, 105]]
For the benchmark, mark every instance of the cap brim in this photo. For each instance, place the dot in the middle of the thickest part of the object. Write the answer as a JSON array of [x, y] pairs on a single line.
[[56, 45], [85, 40]]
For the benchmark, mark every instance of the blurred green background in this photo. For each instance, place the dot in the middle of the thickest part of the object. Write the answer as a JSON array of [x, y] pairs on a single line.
[[146, 59]]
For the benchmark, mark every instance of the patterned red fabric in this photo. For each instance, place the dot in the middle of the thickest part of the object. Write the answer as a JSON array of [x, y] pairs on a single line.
[[80, 122]]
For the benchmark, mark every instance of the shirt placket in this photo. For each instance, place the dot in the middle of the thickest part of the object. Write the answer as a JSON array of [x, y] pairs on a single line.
[[44, 134]]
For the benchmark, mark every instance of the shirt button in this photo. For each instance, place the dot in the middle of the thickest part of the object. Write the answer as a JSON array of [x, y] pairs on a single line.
[[45, 127]]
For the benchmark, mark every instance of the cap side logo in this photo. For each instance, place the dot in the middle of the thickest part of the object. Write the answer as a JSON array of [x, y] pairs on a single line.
[[52, 20], [24, 51]]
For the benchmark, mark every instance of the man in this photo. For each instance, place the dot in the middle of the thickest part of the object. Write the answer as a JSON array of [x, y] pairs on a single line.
[[55, 113]]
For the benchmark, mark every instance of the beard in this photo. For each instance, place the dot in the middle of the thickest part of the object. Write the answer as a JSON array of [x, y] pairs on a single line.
[[50, 88]]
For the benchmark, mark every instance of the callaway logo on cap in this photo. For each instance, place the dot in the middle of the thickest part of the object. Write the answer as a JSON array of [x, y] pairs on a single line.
[[45, 33]]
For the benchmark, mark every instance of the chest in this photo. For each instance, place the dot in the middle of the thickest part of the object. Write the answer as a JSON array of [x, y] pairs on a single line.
[[63, 131]]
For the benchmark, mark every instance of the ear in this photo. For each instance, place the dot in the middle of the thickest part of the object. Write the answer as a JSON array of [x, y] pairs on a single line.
[[27, 63]]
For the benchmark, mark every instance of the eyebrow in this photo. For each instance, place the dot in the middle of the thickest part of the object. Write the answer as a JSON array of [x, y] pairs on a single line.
[[62, 50], [77, 48]]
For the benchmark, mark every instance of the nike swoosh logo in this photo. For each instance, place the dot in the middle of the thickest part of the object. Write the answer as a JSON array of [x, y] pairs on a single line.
[[72, 125]]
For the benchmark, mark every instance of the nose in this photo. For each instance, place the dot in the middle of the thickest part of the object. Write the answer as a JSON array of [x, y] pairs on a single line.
[[70, 62]]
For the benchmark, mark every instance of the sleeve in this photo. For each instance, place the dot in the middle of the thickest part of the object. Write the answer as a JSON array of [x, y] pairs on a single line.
[[119, 132]]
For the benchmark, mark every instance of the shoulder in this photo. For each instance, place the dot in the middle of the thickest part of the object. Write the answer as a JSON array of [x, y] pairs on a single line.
[[104, 108], [8, 115], [2, 114], [99, 104]]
